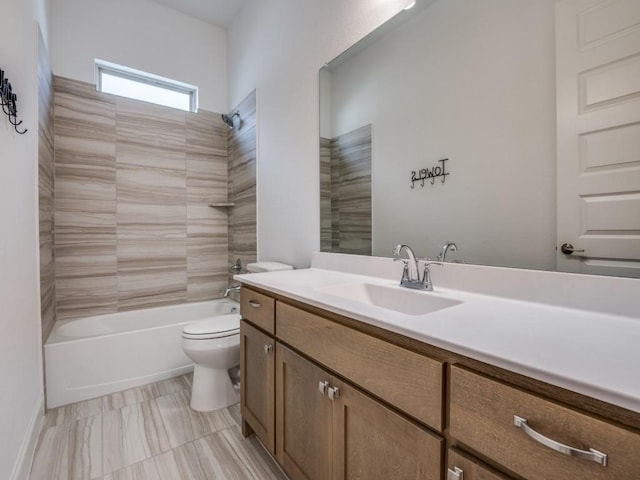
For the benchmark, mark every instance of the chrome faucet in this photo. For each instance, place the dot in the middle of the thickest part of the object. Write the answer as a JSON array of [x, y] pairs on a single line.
[[449, 246], [410, 272], [232, 289]]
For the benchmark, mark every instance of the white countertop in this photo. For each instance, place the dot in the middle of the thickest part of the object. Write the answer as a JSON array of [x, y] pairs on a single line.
[[593, 353]]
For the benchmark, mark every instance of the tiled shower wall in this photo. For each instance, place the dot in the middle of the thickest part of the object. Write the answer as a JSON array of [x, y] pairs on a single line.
[[345, 193], [133, 181], [45, 188], [242, 184]]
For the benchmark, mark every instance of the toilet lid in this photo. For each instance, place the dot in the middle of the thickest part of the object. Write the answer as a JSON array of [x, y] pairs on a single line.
[[214, 327]]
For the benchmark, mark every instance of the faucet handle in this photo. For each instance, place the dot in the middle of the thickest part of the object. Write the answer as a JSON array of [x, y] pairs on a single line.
[[427, 261]]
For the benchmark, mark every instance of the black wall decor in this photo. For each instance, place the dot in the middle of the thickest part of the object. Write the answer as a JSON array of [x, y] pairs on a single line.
[[9, 102], [430, 174]]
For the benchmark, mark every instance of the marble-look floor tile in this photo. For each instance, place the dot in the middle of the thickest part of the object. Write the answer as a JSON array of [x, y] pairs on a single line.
[[184, 424], [145, 393], [188, 464], [73, 412], [145, 470], [130, 436], [69, 451], [252, 456]]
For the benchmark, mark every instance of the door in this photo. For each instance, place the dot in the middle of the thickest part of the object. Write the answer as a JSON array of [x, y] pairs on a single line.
[[598, 115], [373, 442], [257, 363], [303, 436]]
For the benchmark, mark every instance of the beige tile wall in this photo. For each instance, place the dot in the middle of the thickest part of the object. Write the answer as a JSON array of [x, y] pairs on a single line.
[[45, 188], [133, 181], [242, 184]]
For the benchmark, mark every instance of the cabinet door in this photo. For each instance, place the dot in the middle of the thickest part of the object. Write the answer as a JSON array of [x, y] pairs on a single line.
[[303, 435], [373, 442], [257, 364]]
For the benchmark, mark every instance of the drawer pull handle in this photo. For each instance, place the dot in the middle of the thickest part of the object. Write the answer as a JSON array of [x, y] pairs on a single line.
[[592, 455], [455, 474], [254, 304]]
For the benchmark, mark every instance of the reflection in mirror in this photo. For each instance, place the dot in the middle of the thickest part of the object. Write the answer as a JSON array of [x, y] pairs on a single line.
[[473, 82]]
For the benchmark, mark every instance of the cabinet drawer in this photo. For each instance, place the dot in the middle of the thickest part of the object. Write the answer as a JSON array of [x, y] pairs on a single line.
[[482, 416], [259, 309], [409, 381], [464, 467]]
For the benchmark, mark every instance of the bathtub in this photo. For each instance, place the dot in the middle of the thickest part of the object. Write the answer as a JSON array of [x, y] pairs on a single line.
[[93, 356]]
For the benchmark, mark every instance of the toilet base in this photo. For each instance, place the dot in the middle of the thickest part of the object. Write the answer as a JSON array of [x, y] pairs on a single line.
[[212, 389]]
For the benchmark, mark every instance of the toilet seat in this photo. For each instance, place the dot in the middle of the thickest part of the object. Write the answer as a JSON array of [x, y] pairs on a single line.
[[215, 327]]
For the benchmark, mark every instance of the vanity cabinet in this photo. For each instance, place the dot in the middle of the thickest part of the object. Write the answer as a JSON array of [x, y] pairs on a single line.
[[328, 429], [522, 432], [409, 381], [336, 399], [257, 367]]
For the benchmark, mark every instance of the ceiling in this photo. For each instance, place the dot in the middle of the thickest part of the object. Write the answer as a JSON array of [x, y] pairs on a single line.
[[216, 12]]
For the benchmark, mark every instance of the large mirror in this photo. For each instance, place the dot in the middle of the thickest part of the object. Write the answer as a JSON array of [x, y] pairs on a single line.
[[441, 127]]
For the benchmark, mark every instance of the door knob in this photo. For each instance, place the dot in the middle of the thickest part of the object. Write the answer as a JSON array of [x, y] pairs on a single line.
[[568, 249]]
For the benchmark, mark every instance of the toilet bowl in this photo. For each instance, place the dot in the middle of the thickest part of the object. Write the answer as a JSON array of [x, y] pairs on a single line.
[[214, 346]]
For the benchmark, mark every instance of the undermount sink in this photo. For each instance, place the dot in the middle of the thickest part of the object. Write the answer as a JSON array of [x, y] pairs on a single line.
[[410, 302]]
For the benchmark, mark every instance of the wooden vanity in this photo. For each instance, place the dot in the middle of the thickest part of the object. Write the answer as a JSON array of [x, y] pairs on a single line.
[[331, 397]]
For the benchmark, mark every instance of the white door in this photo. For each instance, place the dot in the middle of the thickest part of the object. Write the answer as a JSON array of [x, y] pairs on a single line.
[[598, 101]]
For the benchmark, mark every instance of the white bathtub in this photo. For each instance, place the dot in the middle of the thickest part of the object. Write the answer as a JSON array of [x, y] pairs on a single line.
[[93, 356]]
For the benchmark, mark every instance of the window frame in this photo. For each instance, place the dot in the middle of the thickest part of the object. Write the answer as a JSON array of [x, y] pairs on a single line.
[[145, 78]]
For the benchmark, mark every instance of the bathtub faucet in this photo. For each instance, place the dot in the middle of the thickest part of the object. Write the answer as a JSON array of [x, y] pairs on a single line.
[[232, 289]]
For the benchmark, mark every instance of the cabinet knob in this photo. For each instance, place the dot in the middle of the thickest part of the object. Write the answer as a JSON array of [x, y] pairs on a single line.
[[268, 348], [455, 474], [322, 386], [334, 393]]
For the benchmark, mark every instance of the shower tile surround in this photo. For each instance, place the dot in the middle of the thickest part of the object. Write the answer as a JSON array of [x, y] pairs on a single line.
[[45, 188], [133, 181], [147, 433], [242, 184], [345, 192]]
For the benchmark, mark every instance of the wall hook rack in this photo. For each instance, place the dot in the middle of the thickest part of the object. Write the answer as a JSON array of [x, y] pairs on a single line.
[[9, 100]]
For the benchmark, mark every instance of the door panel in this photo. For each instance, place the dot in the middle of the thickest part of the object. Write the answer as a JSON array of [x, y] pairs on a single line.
[[303, 436], [258, 395], [373, 442], [598, 98]]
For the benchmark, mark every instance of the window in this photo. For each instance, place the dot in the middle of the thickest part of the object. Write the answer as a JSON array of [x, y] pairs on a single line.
[[127, 82]]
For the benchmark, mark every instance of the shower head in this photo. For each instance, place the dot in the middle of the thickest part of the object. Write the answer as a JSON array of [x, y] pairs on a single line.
[[228, 119]]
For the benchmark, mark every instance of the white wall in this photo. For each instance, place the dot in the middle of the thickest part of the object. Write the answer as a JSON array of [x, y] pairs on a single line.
[[472, 81], [144, 35], [278, 46], [20, 341]]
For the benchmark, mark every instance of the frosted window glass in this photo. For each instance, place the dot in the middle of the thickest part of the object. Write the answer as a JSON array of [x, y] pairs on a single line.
[[143, 91]]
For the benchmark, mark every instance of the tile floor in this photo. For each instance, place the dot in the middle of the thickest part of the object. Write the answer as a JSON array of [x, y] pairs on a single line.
[[148, 433]]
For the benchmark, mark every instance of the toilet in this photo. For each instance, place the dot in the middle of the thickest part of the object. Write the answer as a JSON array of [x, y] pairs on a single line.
[[214, 346]]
